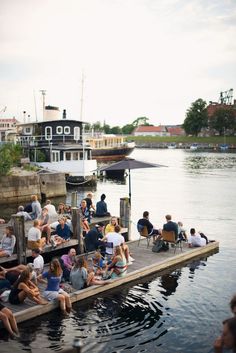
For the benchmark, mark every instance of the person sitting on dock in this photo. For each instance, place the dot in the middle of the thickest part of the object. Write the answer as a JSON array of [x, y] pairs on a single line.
[[61, 209], [110, 227], [85, 215], [51, 209], [81, 277], [21, 212], [44, 224], [25, 288], [67, 262], [63, 232], [98, 263], [144, 222], [119, 264], [93, 237], [171, 226], [8, 320], [89, 201], [182, 234], [34, 237], [195, 239], [8, 242], [101, 207], [115, 238], [53, 290], [36, 207]]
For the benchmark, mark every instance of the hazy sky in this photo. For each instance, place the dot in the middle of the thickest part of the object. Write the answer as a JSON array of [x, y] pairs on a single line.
[[148, 58]]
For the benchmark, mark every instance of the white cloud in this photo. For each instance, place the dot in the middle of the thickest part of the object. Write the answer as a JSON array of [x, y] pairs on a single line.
[[140, 57]]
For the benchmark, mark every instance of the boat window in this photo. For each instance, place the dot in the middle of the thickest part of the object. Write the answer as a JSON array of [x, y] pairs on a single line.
[[48, 133], [55, 156], [66, 130], [68, 156], [76, 133], [59, 130], [75, 156], [28, 130], [81, 156]]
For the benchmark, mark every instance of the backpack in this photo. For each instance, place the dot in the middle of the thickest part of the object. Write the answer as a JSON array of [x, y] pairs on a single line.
[[160, 246]]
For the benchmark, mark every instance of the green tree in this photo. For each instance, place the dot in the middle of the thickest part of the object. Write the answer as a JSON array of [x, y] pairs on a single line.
[[196, 118], [107, 129], [128, 129], [10, 155], [140, 121], [223, 120], [116, 130]]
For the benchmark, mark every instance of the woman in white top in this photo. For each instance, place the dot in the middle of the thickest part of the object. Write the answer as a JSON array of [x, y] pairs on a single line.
[[8, 242]]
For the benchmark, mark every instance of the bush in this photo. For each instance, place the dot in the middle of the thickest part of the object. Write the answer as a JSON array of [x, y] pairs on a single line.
[[10, 156]]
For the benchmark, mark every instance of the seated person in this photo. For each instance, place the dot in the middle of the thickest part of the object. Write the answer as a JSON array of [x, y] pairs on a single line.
[[21, 212], [93, 237], [182, 235], [101, 207], [171, 226], [9, 322], [51, 209], [36, 207], [119, 264], [115, 238], [144, 222], [44, 224], [99, 264], [125, 249], [110, 227], [67, 262], [195, 239], [8, 242], [85, 215], [63, 232], [61, 208], [89, 201], [81, 277], [35, 241]]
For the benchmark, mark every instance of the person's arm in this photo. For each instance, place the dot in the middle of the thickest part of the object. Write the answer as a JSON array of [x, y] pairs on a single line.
[[26, 288], [218, 345], [114, 261]]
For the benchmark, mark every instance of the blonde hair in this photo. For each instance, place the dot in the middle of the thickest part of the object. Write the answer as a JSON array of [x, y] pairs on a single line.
[[34, 197]]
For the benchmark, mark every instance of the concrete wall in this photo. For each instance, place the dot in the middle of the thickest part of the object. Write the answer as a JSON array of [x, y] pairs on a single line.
[[17, 189]]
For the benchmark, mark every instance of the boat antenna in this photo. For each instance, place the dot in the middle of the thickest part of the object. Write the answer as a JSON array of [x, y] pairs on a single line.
[[43, 91]]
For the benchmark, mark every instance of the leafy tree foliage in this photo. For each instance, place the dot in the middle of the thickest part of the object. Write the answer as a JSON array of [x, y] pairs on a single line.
[[140, 121], [116, 130], [10, 155], [127, 129], [223, 120], [196, 118]]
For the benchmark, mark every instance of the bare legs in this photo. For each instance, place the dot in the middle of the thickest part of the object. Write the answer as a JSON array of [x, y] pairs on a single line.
[[64, 303], [9, 321]]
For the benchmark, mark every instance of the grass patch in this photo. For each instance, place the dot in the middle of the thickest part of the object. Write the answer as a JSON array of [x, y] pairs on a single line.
[[183, 139]]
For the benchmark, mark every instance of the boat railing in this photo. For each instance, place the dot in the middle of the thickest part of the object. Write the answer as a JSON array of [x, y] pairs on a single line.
[[39, 140]]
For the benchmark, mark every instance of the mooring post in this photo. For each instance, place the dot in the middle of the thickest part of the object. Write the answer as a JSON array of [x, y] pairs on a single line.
[[77, 228], [74, 199], [19, 232], [125, 214]]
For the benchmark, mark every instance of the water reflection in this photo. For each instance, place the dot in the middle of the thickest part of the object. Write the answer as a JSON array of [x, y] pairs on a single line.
[[209, 161]]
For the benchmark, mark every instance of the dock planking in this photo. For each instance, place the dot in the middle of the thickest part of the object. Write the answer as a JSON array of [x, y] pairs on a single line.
[[146, 263]]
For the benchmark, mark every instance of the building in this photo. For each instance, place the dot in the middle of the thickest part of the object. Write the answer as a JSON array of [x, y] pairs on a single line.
[[7, 127], [161, 130]]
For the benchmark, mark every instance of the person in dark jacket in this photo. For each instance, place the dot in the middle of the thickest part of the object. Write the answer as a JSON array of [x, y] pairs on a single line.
[[93, 237], [171, 226], [101, 207], [144, 222]]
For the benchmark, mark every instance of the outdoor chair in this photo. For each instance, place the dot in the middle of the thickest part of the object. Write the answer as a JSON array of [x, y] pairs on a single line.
[[169, 237], [143, 232]]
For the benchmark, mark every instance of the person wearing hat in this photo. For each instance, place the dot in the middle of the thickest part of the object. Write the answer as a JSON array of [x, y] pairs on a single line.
[[93, 237], [101, 207]]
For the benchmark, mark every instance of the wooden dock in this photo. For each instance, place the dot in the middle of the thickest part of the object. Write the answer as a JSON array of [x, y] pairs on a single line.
[[146, 263]]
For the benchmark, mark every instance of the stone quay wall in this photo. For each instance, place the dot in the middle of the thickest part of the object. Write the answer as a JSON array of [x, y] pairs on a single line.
[[17, 189]]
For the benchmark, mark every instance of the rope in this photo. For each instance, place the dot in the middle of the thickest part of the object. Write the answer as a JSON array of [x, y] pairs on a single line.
[[83, 182]]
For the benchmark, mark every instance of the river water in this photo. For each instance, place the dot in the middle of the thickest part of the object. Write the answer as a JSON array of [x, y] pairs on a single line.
[[179, 311]]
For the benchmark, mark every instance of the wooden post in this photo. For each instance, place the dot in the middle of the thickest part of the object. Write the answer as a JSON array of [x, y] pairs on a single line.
[[125, 214], [74, 199], [19, 232], [77, 228]]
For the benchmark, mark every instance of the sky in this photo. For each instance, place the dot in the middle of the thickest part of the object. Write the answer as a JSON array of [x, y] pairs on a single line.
[[149, 58]]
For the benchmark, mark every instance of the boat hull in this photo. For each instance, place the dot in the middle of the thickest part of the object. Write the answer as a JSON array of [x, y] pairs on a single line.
[[111, 154]]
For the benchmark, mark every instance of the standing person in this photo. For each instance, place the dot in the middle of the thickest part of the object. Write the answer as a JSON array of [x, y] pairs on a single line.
[[195, 239], [44, 224], [101, 207], [93, 237], [110, 227], [36, 207], [53, 290], [24, 288], [21, 212], [228, 338], [34, 237], [144, 222], [8, 242], [171, 226], [8, 320]]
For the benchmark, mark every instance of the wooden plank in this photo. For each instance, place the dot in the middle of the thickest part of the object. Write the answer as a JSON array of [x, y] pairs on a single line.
[[157, 262]]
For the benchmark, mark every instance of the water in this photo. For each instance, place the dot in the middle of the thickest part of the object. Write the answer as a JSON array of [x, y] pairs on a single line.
[[176, 312]]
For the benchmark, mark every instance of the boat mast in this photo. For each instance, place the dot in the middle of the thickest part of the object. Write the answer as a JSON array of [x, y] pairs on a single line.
[[43, 91]]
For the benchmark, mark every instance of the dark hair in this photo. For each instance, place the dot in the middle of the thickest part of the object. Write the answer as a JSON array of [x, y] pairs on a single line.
[[24, 277], [36, 250], [103, 196], [117, 228], [145, 214], [231, 322], [168, 217], [10, 228], [233, 302], [192, 231]]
